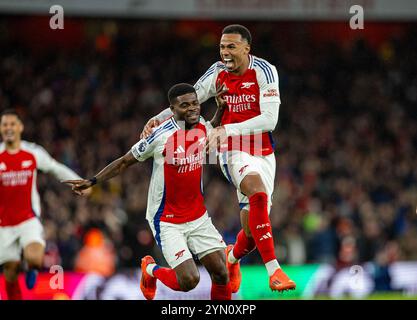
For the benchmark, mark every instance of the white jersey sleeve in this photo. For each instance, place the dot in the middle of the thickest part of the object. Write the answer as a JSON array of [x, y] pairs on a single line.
[[206, 85], [268, 82], [269, 102], [47, 164], [143, 150], [150, 146], [164, 114]]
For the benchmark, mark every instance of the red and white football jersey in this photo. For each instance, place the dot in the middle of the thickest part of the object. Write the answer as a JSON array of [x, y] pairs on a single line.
[[176, 190], [19, 197], [245, 96]]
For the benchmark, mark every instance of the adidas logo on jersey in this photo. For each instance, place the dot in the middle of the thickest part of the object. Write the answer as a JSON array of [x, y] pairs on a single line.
[[265, 236], [247, 85], [3, 166], [26, 163], [180, 149]]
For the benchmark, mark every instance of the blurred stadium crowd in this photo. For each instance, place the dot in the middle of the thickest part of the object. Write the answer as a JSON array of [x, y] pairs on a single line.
[[346, 183]]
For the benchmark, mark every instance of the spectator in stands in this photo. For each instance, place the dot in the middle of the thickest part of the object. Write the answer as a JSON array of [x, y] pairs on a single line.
[[96, 256], [346, 136]]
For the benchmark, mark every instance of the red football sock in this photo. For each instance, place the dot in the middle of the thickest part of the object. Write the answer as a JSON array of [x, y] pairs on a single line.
[[260, 226], [221, 291], [168, 277], [243, 245], [13, 290]]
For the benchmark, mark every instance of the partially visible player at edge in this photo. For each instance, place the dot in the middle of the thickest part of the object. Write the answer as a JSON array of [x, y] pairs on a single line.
[[20, 226], [253, 105], [176, 212]]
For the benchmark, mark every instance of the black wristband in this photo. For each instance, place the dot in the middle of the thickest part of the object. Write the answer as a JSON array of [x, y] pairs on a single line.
[[93, 181]]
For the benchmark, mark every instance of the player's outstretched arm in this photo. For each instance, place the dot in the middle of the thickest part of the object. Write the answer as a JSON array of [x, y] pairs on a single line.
[[47, 164], [110, 171]]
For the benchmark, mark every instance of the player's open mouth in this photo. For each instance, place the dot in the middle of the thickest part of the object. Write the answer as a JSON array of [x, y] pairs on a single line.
[[228, 62]]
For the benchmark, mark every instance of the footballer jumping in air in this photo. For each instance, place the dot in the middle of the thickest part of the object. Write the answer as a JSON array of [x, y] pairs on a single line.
[[248, 161], [176, 212]]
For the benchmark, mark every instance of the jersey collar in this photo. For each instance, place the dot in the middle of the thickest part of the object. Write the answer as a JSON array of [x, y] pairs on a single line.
[[251, 60]]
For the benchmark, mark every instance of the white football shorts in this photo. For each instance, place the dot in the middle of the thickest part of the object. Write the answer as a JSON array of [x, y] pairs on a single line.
[[236, 165], [13, 239], [179, 241]]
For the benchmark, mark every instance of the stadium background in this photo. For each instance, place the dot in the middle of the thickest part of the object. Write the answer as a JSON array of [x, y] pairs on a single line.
[[346, 140]]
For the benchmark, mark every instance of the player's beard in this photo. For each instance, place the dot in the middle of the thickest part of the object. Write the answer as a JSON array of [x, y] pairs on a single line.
[[193, 119]]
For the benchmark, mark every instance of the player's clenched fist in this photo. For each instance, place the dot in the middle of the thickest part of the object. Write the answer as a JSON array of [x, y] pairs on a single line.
[[220, 101], [215, 139], [217, 136]]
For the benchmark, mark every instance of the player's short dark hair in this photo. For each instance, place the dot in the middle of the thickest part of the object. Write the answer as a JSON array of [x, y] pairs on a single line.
[[238, 29], [178, 90], [10, 112]]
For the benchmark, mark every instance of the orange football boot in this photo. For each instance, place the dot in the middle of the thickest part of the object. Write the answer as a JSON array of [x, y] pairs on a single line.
[[279, 281], [235, 275], [147, 282]]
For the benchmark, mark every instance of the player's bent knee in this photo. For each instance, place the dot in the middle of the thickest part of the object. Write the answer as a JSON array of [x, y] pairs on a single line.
[[252, 184], [189, 282], [35, 263], [34, 260], [221, 275]]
